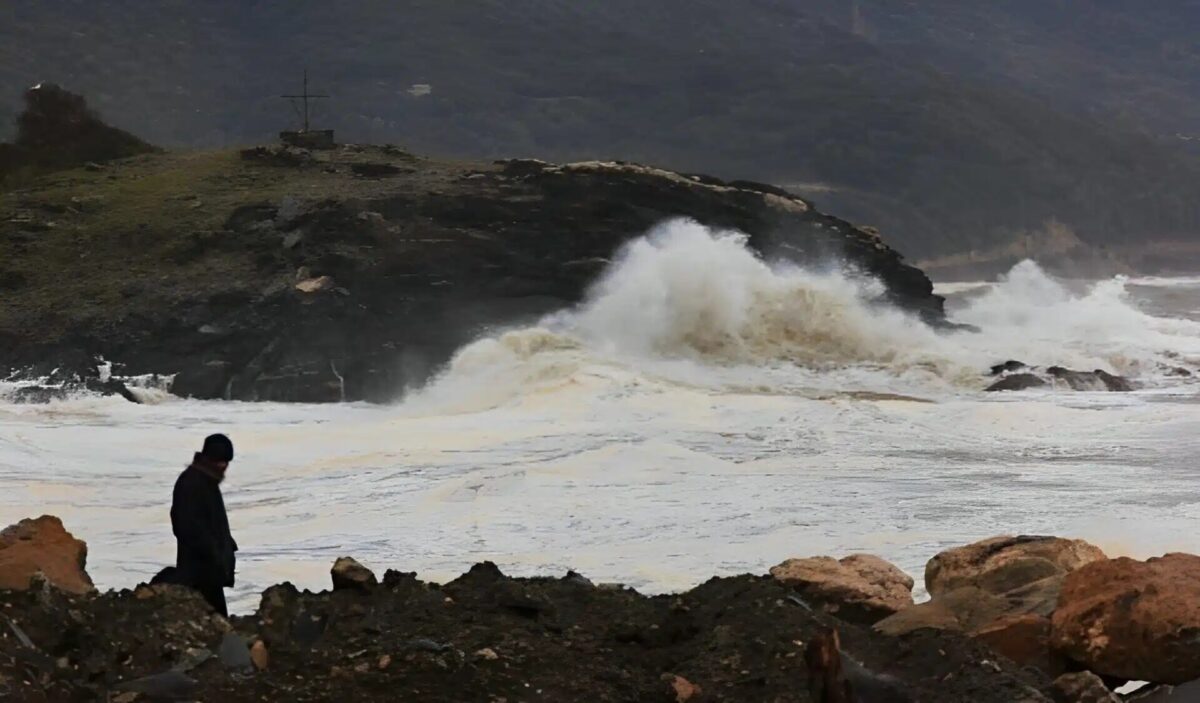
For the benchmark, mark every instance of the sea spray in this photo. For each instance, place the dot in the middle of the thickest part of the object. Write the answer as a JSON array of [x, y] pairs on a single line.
[[691, 305]]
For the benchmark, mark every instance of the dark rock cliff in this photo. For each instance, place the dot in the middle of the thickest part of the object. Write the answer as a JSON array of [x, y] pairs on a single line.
[[289, 276]]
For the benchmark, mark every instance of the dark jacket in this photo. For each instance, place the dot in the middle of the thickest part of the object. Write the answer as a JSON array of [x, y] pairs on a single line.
[[205, 548]]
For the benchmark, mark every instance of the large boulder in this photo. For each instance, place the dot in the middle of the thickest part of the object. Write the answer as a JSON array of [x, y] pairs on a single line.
[[1132, 619], [1001, 591], [860, 587], [1001, 564], [43, 546]]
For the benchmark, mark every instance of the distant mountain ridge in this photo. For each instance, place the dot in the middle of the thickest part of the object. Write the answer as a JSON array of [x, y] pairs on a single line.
[[936, 122]]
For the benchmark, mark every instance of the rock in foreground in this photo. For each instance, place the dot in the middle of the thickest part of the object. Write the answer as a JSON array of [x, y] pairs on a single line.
[[860, 587], [483, 637], [1002, 591], [43, 548], [1135, 620]]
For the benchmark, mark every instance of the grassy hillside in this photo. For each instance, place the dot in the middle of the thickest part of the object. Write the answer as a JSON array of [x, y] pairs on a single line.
[[877, 131]]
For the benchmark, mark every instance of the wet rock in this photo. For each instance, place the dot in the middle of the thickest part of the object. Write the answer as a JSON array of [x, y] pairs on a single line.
[[1179, 371], [1009, 366], [43, 546], [1134, 620], [349, 574], [1016, 382], [234, 654], [578, 579], [1097, 380], [1000, 564], [861, 587], [1082, 687]]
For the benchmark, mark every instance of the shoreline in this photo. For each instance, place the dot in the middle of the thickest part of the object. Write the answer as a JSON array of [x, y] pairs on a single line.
[[1008, 620]]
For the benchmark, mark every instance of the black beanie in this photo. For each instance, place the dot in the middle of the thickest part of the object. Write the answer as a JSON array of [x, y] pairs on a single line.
[[217, 447]]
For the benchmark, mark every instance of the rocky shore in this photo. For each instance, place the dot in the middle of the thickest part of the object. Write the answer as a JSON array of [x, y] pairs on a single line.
[[1010, 619], [278, 273]]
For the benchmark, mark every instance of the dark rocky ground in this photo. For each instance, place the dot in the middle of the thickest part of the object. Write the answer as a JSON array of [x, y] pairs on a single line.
[[483, 637], [187, 263]]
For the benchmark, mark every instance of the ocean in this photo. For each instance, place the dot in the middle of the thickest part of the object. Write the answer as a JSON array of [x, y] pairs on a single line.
[[702, 413]]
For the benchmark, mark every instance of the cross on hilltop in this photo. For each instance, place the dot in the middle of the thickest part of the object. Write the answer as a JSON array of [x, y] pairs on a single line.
[[307, 137], [305, 96]]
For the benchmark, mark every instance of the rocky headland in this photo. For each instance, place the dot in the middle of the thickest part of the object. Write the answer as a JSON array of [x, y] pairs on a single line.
[[277, 273], [1029, 619]]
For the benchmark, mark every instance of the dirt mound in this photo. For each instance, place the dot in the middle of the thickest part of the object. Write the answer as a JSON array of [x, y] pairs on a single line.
[[483, 637]]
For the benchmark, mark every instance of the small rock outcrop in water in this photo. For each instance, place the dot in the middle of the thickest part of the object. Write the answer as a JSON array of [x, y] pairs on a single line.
[[1133, 619], [1097, 380], [42, 548], [860, 587], [1017, 382], [1001, 590], [1016, 376], [58, 130]]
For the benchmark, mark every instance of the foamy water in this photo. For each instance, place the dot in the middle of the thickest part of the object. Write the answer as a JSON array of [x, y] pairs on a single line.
[[702, 413]]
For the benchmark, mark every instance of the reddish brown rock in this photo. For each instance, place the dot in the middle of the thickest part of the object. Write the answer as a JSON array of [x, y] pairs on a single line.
[[1131, 619], [683, 689], [860, 587], [961, 610], [1001, 590], [43, 546], [1001, 564], [1025, 639]]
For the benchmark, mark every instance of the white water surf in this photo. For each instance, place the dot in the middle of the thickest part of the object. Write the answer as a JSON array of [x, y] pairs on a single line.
[[702, 413]]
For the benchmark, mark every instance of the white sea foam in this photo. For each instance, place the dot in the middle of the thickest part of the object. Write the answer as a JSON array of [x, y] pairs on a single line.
[[702, 412]]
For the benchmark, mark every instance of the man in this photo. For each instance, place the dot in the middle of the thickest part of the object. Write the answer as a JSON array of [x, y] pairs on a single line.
[[204, 557]]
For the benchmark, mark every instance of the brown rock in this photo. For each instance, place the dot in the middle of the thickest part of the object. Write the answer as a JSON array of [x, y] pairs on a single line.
[[961, 610], [684, 690], [1002, 591], [316, 285], [384, 662], [860, 587], [1000, 564], [348, 573], [260, 656], [1025, 639], [43, 546], [487, 654], [1082, 687], [1130, 619]]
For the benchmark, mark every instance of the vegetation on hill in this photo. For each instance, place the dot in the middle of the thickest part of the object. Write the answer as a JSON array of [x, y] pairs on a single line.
[[946, 124]]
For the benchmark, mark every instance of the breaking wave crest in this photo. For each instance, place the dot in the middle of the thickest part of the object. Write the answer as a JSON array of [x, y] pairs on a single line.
[[689, 304]]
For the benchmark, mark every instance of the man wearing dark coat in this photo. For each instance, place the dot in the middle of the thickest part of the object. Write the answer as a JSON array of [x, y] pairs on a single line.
[[204, 557]]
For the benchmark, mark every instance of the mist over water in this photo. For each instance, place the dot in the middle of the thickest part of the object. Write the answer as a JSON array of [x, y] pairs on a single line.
[[702, 412]]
